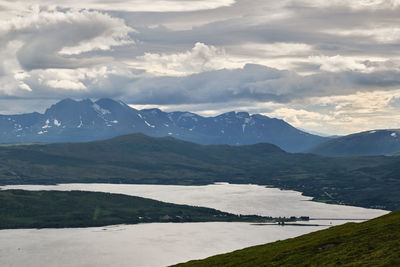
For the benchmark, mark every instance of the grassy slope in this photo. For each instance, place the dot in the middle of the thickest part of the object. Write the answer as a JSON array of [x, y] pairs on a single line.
[[372, 243], [362, 181], [58, 209]]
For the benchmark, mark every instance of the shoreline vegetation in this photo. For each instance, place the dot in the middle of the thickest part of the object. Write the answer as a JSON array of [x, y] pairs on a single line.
[[66, 209]]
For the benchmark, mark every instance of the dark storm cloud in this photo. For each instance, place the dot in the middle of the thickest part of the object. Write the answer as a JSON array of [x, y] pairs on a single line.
[[255, 83]]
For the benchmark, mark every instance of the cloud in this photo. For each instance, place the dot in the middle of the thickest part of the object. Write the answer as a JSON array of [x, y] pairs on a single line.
[[256, 83], [251, 83], [131, 5], [47, 35], [338, 63], [300, 117], [95, 82], [38, 42], [278, 49], [196, 54], [356, 112], [354, 4], [381, 34], [200, 58]]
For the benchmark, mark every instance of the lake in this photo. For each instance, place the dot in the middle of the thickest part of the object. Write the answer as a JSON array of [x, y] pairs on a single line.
[[160, 244]]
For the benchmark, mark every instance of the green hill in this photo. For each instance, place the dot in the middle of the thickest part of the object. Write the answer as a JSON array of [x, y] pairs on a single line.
[[372, 243], [360, 181], [58, 209], [370, 143]]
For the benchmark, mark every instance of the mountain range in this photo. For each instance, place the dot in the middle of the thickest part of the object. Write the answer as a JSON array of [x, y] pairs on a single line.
[[85, 120]]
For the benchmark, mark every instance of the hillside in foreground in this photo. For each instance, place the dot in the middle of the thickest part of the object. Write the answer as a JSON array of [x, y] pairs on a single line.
[[372, 243]]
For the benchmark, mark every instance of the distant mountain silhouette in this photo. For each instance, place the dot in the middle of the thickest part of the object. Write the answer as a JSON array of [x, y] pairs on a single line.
[[81, 121]]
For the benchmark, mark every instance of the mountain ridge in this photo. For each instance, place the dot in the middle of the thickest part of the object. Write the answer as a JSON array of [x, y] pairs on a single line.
[[367, 143], [82, 121]]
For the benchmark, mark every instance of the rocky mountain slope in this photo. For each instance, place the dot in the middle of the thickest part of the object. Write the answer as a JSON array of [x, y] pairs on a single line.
[[81, 121]]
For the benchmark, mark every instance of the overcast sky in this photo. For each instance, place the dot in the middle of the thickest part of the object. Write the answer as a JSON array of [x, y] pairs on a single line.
[[324, 66]]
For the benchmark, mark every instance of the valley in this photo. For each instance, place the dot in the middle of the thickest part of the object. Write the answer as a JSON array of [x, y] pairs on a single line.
[[138, 159]]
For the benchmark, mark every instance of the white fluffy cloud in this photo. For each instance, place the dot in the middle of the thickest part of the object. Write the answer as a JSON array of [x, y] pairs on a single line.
[[48, 35], [338, 63], [38, 48], [200, 58]]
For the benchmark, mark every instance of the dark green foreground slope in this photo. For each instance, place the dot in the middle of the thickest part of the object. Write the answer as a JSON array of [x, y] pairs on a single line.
[[58, 209], [372, 243], [139, 159]]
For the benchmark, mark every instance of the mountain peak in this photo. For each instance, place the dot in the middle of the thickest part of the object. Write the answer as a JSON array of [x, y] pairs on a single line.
[[154, 111], [109, 101], [69, 104], [242, 115], [85, 120]]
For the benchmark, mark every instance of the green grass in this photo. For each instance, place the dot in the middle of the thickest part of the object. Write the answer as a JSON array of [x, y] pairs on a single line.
[[139, 159], [372, 243], [58, 209]]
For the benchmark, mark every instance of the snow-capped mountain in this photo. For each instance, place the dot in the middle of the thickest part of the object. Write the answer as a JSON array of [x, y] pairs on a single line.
[[79, 121]]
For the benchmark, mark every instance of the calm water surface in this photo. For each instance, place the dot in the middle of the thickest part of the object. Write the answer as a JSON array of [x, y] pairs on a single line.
[[160, 244], [234, 198]]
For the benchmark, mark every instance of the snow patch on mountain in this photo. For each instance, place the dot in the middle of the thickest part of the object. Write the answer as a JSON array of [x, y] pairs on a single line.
[[56, 123], [81, 123], [148, 124], [46, 124], [100, 110]]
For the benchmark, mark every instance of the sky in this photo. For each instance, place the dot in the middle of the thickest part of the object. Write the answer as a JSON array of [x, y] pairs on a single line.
[[330, 67]]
